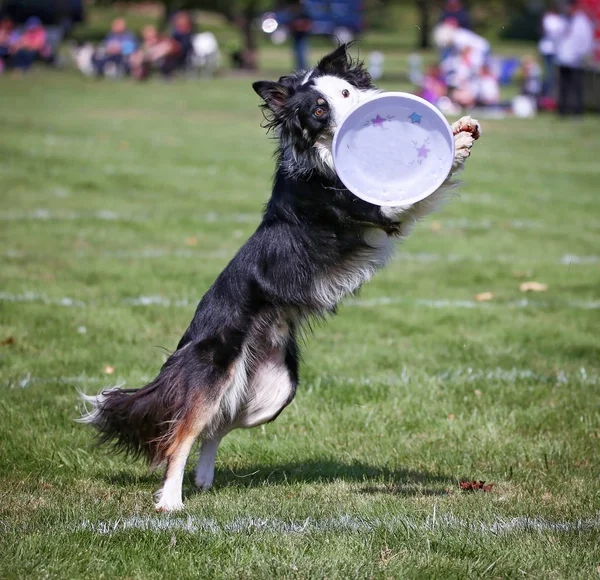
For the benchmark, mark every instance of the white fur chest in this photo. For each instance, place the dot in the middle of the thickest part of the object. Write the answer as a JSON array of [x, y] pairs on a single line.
[[349, 276]]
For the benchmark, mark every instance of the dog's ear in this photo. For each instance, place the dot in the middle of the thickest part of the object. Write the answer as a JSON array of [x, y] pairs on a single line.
[[273, 94], [335, 63]]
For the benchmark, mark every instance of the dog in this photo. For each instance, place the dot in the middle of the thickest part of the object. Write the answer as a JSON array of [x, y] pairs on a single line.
[[236, 366]]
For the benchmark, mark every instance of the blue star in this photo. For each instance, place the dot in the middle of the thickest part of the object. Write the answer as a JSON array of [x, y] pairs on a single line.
[[415, 118]]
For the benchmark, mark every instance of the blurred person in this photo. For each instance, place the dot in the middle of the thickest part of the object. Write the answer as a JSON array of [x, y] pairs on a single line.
[[300, 26], [454, 10], [572, 47], [29, 46], [156, 52], [115, 49], [8, 37], [461, 73], [532, 78], [433, 85], [450, 37], [553, 26], [183, 34], [488, 87]]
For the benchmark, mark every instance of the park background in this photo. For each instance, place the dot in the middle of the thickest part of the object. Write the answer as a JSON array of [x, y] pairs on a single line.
[[121, 203]]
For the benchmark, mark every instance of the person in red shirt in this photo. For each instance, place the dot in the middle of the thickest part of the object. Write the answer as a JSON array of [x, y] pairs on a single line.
[[29, 46]]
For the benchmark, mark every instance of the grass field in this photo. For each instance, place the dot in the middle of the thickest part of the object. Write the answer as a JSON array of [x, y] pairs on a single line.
[[120, 205]]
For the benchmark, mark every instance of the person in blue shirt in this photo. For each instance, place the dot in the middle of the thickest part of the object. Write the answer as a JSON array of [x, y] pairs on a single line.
[[116, 49], [183, 33]]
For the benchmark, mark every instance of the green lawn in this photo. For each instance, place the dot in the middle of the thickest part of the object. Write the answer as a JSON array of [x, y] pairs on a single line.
[[120, 205]]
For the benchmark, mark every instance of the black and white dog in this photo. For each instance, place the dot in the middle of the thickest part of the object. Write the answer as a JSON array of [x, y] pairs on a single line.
[[237, 363]]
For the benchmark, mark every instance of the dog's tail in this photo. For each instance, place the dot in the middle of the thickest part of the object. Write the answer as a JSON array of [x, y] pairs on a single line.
[[146, 421]]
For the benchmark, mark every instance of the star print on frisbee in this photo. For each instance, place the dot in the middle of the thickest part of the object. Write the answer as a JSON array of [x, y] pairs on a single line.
[[415, 118], [394, 149], [378, 121]]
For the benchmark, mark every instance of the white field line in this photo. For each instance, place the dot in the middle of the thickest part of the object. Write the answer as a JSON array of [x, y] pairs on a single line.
[[446, 303], [74, 380], [342, 523], [43, 214], [569, 259], [157, 300], [405, 377], [41, 298], [152, 253], [240, 217], [471, 375]]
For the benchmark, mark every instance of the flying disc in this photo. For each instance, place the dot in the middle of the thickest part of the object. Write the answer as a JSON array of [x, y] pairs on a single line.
[[394, 149]]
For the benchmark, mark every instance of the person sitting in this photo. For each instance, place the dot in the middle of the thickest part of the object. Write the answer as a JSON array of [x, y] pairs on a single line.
[[488, 88], [451, 39], [115, 50], [532, 78], [29, 46], [156, 52], [433, 85], [8, 37], [183, 34], [460, 73]]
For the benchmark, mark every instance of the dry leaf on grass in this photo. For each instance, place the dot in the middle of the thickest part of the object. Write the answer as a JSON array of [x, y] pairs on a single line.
[[386, 555], [8, 340], [522, 273], [109, 370], [484, 296], [451, 417], [436, 226], [475, 486], [191, 241], [533, 287]]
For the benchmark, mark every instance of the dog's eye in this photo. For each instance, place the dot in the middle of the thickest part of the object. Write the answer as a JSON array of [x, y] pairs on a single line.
[[319, 112], [345, 93]]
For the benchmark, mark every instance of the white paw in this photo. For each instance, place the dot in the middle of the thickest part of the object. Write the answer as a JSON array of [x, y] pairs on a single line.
[[466, 132], [467, 125], [168, 502], [462, 148]]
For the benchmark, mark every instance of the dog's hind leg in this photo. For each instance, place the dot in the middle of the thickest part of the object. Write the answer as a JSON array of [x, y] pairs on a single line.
[[169, 497], [217, 370], [205, 469]]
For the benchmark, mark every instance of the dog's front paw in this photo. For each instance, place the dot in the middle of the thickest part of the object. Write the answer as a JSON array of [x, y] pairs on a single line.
[[467, 125], [466, 132]]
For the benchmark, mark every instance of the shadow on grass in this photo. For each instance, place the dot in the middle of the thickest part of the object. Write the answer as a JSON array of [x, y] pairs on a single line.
[[376, 479]]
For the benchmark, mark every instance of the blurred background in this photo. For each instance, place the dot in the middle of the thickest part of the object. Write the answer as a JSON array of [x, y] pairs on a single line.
[[457, 54]]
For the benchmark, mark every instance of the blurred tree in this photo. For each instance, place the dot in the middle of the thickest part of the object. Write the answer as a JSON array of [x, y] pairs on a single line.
[[425, 9]]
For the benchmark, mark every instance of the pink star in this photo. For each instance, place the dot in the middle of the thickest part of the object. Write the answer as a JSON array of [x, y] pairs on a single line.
[[378, 121], [423, 152]]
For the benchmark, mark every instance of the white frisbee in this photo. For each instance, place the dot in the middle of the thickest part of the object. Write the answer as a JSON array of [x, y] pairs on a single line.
[[394, 149]]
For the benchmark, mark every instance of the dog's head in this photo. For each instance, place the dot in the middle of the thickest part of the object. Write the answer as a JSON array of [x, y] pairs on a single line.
[[306, 107]]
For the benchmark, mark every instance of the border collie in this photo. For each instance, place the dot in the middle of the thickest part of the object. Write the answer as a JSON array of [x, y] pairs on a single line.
[[237, 363]]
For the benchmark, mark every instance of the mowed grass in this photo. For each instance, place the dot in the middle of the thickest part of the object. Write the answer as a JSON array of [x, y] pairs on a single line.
[[120, 205]]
